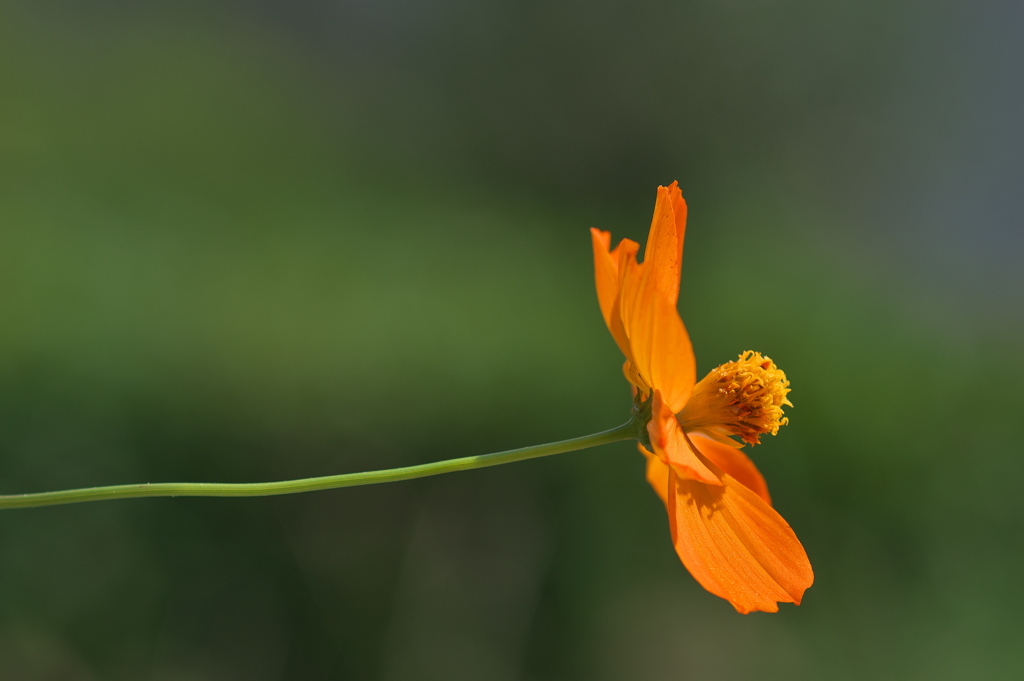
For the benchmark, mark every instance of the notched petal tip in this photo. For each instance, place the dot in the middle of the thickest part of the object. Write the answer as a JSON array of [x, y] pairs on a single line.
[[606, 271], [607, 279], [601, 242], [664, 252]]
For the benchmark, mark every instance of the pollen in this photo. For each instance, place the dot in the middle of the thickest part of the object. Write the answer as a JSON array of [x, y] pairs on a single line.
[[742, 398]]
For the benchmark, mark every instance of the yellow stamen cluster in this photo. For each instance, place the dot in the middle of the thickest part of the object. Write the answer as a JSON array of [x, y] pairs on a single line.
[[741, 398]]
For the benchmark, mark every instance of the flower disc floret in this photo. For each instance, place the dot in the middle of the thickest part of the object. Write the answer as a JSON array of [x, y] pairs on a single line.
[[743, 398]]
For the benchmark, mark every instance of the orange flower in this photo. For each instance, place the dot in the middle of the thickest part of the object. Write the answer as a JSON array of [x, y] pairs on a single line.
[[723, 525]]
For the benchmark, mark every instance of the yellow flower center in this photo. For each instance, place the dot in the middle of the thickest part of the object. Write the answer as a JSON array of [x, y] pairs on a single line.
[[741, 398]]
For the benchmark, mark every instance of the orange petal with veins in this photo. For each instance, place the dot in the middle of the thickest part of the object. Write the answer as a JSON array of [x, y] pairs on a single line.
[[671, 447], [736, 545], [659, 343], [608, 281], [664, 250], [733, 462]]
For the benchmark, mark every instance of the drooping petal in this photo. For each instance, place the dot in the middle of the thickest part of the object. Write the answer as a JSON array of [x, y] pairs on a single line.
[[657, 474], [661, 347], [733, 462], [608, 281], [671, 447], [736, 545], [664, 250]]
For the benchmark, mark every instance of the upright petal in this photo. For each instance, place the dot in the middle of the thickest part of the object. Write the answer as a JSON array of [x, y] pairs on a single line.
[[665, 242], [606, 272], [661, 347], [608, 281], [733, 462], [736, 545], [671, 447]]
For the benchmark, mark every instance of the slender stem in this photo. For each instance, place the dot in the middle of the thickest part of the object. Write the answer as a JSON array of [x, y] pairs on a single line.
[[259, 489]]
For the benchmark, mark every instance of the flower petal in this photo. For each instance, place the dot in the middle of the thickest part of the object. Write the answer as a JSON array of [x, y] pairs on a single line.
[[671, 447], [661, 347], [733, 462], [608, 280], [664, 250], [736, 545], [606, 272], [657, 474]]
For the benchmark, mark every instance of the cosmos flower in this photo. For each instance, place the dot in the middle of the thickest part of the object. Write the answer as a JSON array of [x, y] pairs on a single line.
[[723, 525]]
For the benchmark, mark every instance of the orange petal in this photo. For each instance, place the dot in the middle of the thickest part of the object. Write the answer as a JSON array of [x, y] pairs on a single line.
[[664, 250], [655, 334], [637, 381], [671, 447], [736, 545], [606, 272], [733, 462], [657, 474], [607, 278]]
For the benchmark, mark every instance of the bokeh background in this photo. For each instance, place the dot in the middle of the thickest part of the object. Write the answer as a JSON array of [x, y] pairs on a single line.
[[244, 241]]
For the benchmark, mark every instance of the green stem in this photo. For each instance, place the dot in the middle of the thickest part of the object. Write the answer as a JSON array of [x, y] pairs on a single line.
[[626, 431]]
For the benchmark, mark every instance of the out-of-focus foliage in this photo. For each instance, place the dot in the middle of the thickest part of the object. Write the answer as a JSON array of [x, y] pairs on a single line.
[[250, 242]]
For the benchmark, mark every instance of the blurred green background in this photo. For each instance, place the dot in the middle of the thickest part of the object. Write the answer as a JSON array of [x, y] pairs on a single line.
[[254, 241]]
